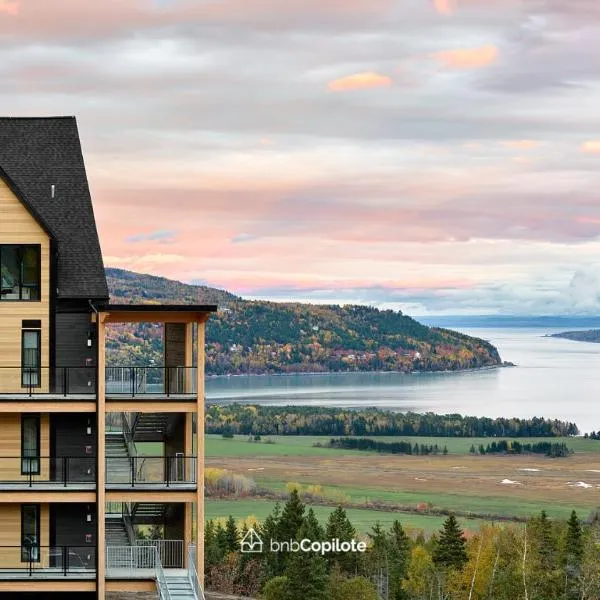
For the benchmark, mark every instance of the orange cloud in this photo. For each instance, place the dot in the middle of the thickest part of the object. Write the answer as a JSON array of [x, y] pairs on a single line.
[[591, 147], [444, 7], [359, 81], [468, 58], [521, 144], [9, 7]]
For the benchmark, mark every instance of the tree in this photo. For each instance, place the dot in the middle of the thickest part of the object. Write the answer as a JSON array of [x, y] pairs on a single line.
[[339, 527], [276, 588], [450, 548], [357, 588], [292, 517], [420, 576], [573, 557], [306, 573], [231, 535]]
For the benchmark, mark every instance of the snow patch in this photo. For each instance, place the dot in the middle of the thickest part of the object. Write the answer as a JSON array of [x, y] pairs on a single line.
[[581, 484], [531, 470], [510, 482]]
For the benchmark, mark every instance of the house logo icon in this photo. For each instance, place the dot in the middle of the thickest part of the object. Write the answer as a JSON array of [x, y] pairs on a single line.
[[251, 543]]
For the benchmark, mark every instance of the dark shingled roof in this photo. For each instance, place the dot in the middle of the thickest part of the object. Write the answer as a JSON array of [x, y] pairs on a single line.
[[36, 153]]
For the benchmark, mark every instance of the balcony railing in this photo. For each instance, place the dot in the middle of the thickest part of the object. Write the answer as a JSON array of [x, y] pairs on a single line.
[[47, 561], [59, 381], [65, 471], [149, 381], [168, 471]]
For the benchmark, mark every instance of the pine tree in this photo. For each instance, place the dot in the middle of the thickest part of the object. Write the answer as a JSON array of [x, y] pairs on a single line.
[[573, 558], [399, 557], [450, 548], [292, 517], [231, 534], [340, 527], [306, 573]]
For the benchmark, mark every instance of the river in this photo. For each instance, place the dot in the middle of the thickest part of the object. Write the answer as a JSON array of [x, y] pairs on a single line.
[[555, 378]]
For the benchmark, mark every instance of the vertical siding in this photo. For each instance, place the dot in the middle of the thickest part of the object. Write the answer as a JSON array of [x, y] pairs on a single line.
[[17, 226], [10, 533]]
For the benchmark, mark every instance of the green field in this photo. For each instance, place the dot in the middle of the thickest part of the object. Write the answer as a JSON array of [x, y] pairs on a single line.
[[363, 520], [304, 445]]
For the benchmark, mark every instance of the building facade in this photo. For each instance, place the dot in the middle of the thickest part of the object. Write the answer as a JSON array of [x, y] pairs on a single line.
[[94, 457]]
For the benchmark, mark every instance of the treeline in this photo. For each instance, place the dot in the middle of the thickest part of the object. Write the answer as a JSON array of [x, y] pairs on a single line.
[[544, 560], [592, 436], [386, 447], [554, 450], [253, 419]]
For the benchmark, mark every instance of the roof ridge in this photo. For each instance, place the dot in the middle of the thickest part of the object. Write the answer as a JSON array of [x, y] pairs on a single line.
[[48, 118]]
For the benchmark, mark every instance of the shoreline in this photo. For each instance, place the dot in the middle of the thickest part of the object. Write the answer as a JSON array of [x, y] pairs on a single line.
[[503, 365]]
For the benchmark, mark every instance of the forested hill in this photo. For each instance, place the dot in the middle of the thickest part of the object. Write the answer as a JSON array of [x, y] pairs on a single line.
[[591, 335], [248, 336]]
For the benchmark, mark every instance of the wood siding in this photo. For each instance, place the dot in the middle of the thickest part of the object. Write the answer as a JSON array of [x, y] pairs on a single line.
[[10, 533], [17, 226], [10, 447]]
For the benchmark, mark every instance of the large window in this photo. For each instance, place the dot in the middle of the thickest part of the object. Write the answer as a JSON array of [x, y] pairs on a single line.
[[19, 272], [31, 356], [30, 445], [30, 532]]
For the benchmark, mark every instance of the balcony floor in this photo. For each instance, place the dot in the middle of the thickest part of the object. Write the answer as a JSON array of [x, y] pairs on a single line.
[[46, 486], [153, 487], [46, 573]]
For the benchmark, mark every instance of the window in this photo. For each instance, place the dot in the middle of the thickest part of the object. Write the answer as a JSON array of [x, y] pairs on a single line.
[[19, 272], [30, 532], [30, 445], [30, 358]]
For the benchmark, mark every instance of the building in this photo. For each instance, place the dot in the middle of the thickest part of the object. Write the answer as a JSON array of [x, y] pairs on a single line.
[[74, 493]]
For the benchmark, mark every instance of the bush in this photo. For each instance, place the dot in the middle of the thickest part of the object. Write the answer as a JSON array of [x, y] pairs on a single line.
[[275, 589]]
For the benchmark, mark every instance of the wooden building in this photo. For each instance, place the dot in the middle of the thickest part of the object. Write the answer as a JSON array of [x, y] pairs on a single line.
[[76, 495]]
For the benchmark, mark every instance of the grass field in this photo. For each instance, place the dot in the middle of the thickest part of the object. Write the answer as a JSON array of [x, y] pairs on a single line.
[[363, 520]]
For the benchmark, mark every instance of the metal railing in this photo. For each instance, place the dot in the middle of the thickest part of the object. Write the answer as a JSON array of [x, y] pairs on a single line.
[[169, 551], [128, 435], [131, 557], [151, 470], [147, 381], [33, 470], [34, 560], [60, 381], [193, 573], [161, 580]]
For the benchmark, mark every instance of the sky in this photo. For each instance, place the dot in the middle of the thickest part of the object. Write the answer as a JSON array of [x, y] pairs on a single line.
[[431, 156]]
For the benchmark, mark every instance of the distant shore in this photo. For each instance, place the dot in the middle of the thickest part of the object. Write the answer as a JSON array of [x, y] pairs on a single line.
[[505, 364]]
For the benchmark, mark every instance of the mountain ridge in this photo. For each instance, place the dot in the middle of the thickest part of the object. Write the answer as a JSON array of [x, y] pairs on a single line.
[[264, 337]]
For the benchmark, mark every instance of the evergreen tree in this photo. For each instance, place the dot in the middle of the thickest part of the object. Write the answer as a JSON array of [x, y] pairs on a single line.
[[339, 527], [306, 573], [399, 544], [292, 518], [272, 563], [231, 535], [450, 548], [573, 557]]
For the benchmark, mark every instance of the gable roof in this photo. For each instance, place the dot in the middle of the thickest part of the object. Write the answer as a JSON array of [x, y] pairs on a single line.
[[36, 153]]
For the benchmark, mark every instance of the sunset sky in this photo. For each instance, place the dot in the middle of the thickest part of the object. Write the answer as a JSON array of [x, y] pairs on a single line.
[[434, 156]]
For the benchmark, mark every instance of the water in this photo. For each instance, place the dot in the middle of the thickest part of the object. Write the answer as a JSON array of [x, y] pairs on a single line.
[[555, 378]]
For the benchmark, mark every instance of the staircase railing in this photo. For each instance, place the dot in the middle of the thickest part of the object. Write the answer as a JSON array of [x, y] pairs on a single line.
[[193, 574], [128, 435], [161, 580]]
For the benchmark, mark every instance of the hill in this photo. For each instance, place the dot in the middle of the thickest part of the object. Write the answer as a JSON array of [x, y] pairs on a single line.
[[591, 335], [248, 336]]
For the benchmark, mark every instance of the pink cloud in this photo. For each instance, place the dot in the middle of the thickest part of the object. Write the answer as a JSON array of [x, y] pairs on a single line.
[[10, 7], [521, 144], [359, 81], [591, 147], [468, 58], [444, 7]]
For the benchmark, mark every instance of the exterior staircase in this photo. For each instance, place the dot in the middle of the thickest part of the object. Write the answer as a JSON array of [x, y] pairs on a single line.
[[150, 427], [119, 459], [180, 587], [116, 534]]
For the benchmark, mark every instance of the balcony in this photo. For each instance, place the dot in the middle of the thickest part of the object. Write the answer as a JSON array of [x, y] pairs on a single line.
[[46, 473], [50, 382], [76, 383], [47, 562], [132, 382], [151, 472]]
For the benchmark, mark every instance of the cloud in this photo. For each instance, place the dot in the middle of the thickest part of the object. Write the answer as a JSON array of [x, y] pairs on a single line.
[[521, 144], [146, 263], [163, 236], [468, 58], [10, 7], [359, 81], [444, 7], [591, 147]]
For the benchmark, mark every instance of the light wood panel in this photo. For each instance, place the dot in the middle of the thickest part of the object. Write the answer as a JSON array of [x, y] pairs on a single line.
[[57, 585], [200, 453], [33, 495], [33, 406], [161, 496], [10, 448], [156, 316], [146, 406], [101, 478], [10, 534], [17, 226]]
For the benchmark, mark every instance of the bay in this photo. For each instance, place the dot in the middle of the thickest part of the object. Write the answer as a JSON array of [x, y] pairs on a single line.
[[554, 378]]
